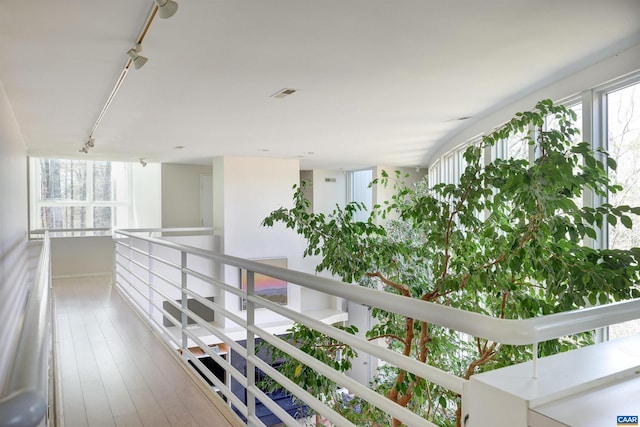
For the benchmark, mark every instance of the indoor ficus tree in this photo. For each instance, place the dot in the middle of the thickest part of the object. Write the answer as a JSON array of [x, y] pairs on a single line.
[[511, 239]]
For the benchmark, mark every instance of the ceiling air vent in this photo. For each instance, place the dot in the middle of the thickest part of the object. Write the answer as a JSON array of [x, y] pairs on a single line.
[[284, 93]]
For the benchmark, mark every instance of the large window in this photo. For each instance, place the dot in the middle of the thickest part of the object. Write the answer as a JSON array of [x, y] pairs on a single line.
[[611, 115], [79, 194], [623, 145], [359, 190]]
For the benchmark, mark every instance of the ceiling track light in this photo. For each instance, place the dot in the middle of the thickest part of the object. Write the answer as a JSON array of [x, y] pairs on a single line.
[[166, 8], [137, 59], [163, 8], [143, 162], [89, 144]]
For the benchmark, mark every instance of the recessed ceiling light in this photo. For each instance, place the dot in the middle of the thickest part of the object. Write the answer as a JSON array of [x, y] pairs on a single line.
[[284, 93]]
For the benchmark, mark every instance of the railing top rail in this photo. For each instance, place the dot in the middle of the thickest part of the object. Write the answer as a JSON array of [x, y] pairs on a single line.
[[166, 230], [506, 331], [67, 230], [137, 230]]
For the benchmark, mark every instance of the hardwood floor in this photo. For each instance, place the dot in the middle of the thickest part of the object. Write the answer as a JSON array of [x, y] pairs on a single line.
[[113, 371]]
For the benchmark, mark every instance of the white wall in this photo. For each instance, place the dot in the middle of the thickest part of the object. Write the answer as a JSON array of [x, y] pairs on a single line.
[[146, 187], [81, 256], [329, 189], [13, 228], [325, 195], [246, 190], [181, 194]]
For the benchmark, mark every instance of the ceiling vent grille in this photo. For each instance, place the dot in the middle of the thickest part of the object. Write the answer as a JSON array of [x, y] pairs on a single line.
[[284, 93]]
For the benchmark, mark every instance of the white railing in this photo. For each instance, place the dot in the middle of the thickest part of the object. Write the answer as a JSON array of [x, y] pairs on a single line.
[[69, 232], [138, 265], [24, 399]]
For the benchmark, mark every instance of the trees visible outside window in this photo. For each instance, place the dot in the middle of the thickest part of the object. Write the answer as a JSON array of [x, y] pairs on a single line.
[[517, 146], [79, 194], [623, 138]]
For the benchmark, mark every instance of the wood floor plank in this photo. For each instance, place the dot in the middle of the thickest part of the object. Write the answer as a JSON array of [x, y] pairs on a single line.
[[113, 369], [128, 420], [96, 404], [148, 408]]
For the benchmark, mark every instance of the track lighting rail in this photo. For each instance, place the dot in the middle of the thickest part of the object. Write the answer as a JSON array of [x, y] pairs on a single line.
[[163, 8]]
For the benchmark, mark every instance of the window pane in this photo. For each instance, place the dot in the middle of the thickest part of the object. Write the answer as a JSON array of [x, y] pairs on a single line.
[[63, 179], [361, 192], [102, 217], [518, 146], [109, 181], [63, 217], [102, 184], [434, 174], [623, 134], [552, 122]]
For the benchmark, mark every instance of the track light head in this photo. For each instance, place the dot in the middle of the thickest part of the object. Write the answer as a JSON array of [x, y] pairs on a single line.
[[83, 150], [138, 60], [90, 143], [142, 162], [166, 8]]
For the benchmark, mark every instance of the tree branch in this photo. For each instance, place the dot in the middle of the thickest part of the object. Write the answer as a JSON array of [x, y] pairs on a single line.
[[403, 289]]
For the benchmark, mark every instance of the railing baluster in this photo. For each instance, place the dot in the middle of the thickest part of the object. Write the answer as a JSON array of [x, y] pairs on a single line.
[[535, 360], [150, 278], [251, 346], [183, 317]]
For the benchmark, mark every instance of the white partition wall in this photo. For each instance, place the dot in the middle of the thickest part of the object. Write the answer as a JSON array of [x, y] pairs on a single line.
[[245, 191], [13, 228]]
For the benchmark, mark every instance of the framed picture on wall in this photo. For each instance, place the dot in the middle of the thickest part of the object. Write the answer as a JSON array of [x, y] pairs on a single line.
[[269, 288]]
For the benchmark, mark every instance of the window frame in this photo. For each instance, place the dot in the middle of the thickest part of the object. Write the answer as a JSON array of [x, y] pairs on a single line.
[[36, 203]]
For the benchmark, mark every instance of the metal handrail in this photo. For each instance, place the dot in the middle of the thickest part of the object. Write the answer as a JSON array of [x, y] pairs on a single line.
[[24, 397], [505, 331], [167, 230], [53, 232]]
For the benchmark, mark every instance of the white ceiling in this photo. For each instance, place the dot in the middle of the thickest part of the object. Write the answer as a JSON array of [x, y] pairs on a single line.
[[380, 82]]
